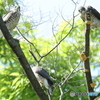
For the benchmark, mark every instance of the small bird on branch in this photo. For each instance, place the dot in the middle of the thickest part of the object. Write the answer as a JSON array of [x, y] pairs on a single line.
[[11, 19], [43, 77], [94, 14]]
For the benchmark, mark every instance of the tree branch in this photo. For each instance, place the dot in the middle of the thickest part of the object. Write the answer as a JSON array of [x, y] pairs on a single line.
[[70, 74], [86, 62], [28, 41], [23, 61]]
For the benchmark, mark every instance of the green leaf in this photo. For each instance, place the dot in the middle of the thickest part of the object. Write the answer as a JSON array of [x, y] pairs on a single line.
[[15, 81], [14, 74]]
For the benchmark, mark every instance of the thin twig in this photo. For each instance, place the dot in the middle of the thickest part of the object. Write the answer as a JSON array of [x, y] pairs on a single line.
[[84, 2], [70, 73], [57, 44], [56, 48], [61, 92], [33, 56], [28, 41]]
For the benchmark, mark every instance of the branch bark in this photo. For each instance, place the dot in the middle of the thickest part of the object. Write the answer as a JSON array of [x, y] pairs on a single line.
[[23, 61], [86, 62]]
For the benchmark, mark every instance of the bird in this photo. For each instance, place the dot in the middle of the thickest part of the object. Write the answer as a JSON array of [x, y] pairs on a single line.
[[11, 19], [43, 77], [94, 14]]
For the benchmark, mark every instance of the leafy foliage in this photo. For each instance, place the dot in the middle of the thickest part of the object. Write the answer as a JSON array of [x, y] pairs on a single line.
[[60, 63]]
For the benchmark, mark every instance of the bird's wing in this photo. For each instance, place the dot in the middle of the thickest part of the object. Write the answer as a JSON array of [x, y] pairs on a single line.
[[7, 16], [44, 74], [94, 12]]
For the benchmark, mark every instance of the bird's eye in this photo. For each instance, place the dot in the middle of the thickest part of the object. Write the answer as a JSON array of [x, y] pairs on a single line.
[[80, 10]]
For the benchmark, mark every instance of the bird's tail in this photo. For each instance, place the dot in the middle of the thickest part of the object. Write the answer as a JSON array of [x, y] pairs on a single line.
[[50, 90], [50, 83]]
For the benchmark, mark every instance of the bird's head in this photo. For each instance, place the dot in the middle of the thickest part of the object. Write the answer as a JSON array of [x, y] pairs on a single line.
[[32, 65], [16, 9], [82, 10]]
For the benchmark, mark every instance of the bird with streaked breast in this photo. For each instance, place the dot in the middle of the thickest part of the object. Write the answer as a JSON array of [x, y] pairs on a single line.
[[43, 77], [11, 19], [95, 16]]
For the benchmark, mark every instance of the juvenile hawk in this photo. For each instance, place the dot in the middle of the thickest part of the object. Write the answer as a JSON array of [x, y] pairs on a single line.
[[11, 19], [95, 15], [42, 77]]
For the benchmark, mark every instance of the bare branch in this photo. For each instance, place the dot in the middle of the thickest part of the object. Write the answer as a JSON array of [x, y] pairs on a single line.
[[86, 62], [57, 44], [63, 37], [84, 2], [61, 92], [28, 42], [70, 74], [34, 56], [53, 28]]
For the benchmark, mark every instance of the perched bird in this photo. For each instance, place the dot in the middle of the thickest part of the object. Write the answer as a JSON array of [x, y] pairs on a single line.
[[11, 19], [42, 77], [94, 14]]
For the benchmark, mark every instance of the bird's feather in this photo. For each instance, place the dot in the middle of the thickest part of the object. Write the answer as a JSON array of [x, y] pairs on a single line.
[[95, 16], [11, 19], [44, 74], [93, 11], [7, 16]]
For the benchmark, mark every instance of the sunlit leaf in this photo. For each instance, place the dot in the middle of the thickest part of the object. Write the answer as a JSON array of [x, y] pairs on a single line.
[[16, 81], [14, 74]]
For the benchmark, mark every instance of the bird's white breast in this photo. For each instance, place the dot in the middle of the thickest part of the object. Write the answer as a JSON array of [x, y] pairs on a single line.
[[95, 23], [42, 80], [12, 23]]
